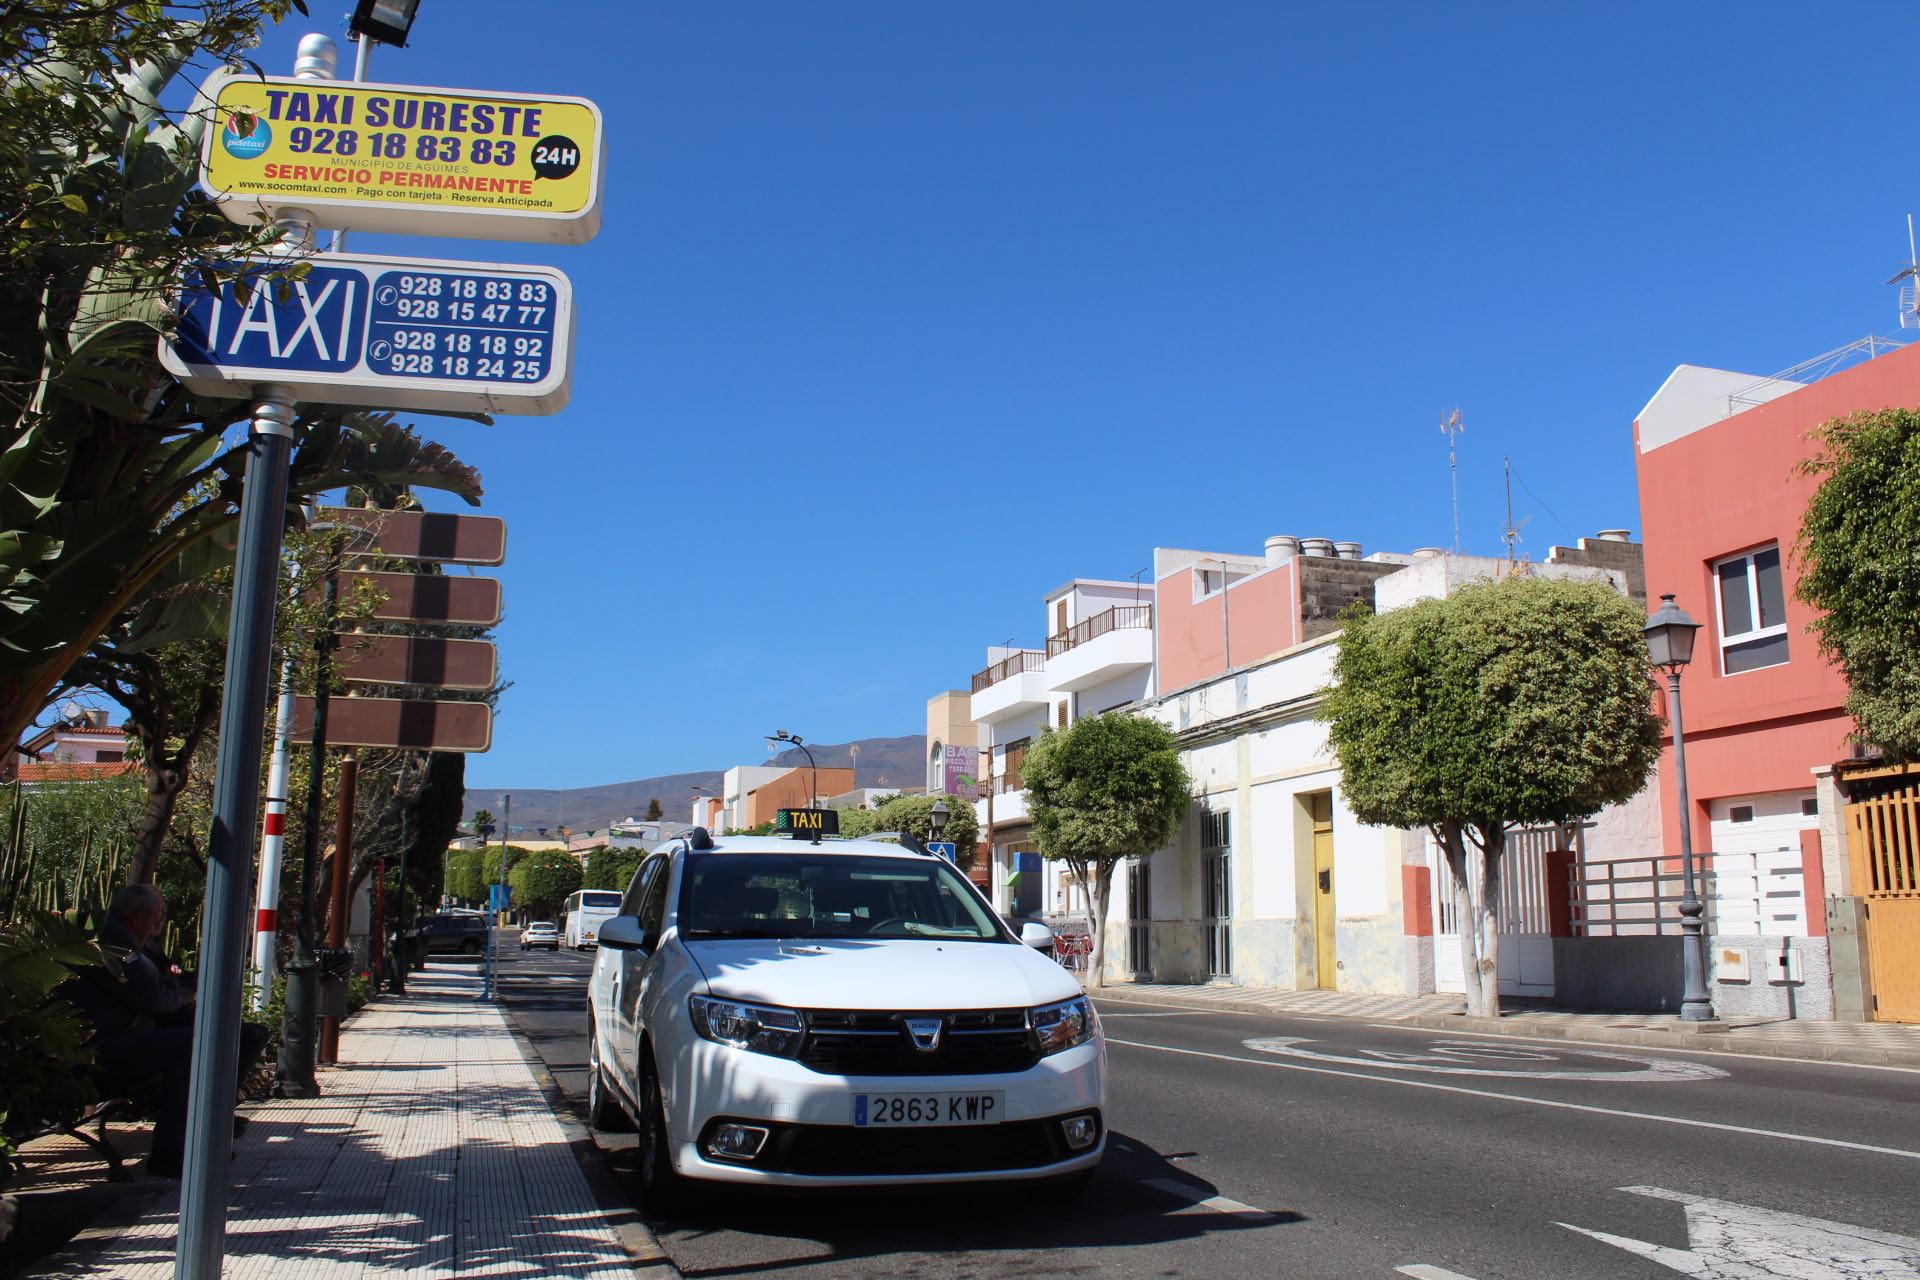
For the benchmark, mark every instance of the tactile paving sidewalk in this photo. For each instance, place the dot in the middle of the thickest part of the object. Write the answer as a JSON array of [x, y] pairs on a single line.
[[431, 1152]]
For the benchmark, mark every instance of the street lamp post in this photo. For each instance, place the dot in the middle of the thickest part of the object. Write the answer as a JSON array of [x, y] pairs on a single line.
[[937, 819], [1670, 632], [794, 738]]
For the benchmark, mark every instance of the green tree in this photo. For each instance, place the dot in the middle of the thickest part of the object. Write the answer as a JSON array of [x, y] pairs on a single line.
[[611, 868], [1522, 702], [1104, 789], [112, 477], [654, 811], [482, 822], [543, 880], [462, 878], [1860, 566], [908, 814]]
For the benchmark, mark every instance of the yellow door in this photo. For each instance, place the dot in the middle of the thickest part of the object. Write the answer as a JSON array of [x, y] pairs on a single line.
[[1883, 838], [1320, 808]]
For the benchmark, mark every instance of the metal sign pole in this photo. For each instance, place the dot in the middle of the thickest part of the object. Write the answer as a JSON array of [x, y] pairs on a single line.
[[236, 789]]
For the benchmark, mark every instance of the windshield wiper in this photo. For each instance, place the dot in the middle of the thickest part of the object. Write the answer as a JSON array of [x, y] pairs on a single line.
[[739, 933]]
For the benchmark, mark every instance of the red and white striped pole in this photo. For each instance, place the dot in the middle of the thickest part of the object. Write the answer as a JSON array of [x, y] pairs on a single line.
[[273, 838]]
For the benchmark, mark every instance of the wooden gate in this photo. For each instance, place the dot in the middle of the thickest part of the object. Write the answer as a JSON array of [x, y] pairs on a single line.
[[1883, 843]]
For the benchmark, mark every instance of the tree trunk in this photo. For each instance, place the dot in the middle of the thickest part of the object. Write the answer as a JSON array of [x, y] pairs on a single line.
[[1487, 920], [1097, 956], [1465, 912], [163, 792]]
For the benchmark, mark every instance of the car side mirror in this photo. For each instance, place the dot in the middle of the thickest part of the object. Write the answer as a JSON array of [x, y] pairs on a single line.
[[1036, 935], [623, 933]]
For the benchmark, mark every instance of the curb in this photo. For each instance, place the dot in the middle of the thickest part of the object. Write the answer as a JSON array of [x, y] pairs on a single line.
[[1720, 1039], [650, 1260], [1717, 1040]]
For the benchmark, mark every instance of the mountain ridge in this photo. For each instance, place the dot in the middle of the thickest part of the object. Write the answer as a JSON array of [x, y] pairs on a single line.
[[897, 762]]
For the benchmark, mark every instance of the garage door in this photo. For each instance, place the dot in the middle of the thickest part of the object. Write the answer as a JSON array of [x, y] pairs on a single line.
[[1759, 879]]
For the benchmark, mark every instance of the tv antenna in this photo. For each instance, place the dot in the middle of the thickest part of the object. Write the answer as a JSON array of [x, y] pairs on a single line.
[[1910, 291], [1511, 534], [1451, 427]]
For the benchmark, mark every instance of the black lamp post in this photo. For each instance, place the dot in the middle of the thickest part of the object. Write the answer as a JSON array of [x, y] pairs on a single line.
[[794, 738], [937, 818], [1670, 632]]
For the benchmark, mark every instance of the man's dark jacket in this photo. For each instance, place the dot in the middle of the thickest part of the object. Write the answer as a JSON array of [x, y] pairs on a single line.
[[134, 1000]]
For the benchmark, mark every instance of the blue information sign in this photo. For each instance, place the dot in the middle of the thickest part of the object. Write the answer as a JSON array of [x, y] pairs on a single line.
[[499, 896], [392, 332], [945, 848]]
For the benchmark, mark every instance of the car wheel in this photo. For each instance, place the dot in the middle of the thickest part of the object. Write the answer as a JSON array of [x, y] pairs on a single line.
[[470, 948], [604, 1111], [662, 1189]]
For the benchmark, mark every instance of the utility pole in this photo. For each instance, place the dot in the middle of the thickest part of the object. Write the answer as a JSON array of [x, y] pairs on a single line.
[[338, 908]]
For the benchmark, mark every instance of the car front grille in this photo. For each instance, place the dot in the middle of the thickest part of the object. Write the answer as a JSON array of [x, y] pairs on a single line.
[[837, 1150], [858, 1042]]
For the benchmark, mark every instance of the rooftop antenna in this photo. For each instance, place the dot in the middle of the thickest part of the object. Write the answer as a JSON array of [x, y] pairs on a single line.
[[1451, 426], [1910, 291], [1511, 534], [1137, 575]]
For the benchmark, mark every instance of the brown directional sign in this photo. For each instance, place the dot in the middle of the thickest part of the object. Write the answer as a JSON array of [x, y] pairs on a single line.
[[423, 535], [396, 722], [430, 597], [448, 664]]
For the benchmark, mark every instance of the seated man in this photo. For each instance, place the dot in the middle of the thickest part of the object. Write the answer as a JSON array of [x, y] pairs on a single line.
[[143, 1018]]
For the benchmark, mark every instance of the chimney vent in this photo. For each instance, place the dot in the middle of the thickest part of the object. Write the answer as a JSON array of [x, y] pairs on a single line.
[[1347, 550], [1282, 548], [1616, 535], [1319, 548]]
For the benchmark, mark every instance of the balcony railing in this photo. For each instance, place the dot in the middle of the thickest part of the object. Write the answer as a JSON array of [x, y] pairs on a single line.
[[1118, 618], [1012, 665]]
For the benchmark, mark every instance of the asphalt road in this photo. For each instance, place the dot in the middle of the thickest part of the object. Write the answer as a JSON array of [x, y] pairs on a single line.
[[1262, 1145]]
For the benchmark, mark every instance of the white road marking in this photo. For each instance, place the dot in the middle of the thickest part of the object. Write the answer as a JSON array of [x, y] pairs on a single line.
[[1421, 1271], [1214, 1204], [1698, 1053], [1728, 1241], [1553, 1103], [1171, 1013], [1445, 1059]]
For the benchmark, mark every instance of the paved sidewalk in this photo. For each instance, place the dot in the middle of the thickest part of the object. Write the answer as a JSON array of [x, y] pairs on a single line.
[[1864, 1043], [432, 1152]]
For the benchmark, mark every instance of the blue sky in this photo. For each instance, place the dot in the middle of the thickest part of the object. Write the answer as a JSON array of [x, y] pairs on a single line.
[[903, 313]]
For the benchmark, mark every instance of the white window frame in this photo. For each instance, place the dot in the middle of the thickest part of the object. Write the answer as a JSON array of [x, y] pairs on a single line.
[[1753, 608]]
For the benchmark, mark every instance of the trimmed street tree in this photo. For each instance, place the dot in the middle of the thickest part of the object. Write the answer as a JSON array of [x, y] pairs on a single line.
[[611, 868], [543, 880], [1860, 565], [1101, 790], [1523, 702], [909, 814]]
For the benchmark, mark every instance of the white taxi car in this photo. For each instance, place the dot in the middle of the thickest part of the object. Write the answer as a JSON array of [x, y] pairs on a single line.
[[836, 1013]]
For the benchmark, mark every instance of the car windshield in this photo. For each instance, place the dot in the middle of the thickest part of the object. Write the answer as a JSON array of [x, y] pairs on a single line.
[[828, 895]]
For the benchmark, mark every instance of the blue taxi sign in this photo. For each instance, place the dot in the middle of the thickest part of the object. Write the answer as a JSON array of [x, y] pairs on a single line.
[[395, 333]]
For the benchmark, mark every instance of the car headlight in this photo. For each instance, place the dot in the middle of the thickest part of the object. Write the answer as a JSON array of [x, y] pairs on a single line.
[[1064, 1025], [757, 1028]]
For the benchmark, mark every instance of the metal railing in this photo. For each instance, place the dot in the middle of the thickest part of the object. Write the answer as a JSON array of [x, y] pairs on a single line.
[[1626, 898], [1120, 617], [1012, 665]]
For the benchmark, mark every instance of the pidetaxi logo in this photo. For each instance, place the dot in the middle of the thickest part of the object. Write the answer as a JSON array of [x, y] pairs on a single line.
[[246, 136]]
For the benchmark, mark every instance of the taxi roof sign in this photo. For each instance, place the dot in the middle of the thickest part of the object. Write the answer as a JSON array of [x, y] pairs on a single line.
[[808, 824]]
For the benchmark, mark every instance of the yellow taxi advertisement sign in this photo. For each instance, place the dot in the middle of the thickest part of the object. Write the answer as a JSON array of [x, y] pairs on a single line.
[[405, 159]]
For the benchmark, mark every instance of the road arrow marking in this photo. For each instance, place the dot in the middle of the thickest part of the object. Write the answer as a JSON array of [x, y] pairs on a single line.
[[1728, 1241], [1451, 1059]]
